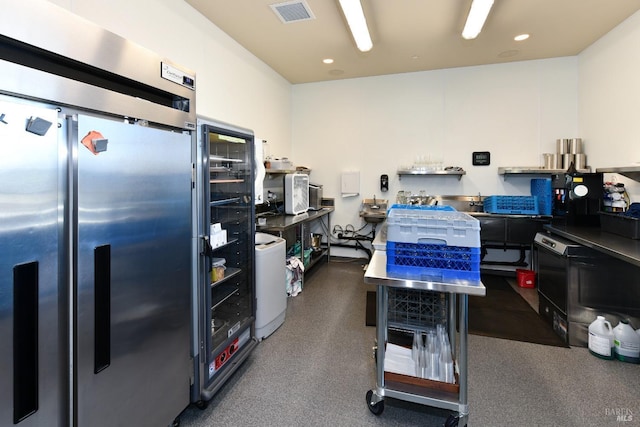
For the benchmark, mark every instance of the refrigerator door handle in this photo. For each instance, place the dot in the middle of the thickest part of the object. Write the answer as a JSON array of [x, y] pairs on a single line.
[[25, 340], [207, 250], [102, 309]]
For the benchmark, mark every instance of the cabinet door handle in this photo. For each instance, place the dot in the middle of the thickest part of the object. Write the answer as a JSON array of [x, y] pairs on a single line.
[[102, 307], [25, 340]]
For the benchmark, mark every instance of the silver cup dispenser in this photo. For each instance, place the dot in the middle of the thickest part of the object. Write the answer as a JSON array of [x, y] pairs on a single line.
[[568, 151]]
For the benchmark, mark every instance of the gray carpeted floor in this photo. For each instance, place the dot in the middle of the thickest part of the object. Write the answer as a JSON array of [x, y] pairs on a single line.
[[316, 368]]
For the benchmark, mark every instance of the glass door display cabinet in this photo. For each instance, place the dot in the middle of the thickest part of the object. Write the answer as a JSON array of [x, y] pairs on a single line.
[[225, 277]]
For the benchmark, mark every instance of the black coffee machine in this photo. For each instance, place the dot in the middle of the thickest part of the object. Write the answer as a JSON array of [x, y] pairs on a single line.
[[577, 198]]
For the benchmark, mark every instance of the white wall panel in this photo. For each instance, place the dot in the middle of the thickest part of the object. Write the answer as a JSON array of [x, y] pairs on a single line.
[[610, 100], [374, 125]]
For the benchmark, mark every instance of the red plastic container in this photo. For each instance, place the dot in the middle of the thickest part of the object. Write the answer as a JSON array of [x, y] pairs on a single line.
[[526, 278]]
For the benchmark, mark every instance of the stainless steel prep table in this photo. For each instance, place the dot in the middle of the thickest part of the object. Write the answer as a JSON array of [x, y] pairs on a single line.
[[376, 274], [280, 224]]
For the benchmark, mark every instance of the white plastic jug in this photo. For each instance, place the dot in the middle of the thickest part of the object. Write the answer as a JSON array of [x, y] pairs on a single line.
[[601, 338], [627, 343]]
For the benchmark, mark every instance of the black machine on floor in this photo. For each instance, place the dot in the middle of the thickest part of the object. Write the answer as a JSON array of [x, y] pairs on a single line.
[[577, 283]]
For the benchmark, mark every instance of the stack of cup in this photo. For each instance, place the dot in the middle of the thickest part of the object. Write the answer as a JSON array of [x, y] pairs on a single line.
[[568, 151], [432, 357]]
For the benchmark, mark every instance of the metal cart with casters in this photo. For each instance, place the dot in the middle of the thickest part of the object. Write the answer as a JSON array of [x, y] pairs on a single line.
[[441, 301]]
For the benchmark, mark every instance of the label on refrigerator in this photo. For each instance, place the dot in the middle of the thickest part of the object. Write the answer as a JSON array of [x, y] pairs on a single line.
[[178, 76]]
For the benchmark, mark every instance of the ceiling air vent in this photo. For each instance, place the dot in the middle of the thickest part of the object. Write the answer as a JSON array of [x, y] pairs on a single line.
[[293, 11]]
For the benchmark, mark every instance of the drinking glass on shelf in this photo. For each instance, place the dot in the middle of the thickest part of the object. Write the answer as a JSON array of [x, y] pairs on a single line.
[[433, 357], [446, 363], [401, 197], [417, 345]]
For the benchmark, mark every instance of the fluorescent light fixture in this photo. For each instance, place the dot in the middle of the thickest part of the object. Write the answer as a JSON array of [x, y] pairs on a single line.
[[477, 15], [352, 10]]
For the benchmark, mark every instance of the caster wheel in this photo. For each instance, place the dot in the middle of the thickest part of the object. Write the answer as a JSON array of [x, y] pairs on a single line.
[[452, 421], [377, 408], [201, 404]]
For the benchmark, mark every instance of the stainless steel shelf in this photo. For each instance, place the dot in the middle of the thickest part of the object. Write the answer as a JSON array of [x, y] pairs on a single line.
[[631, 172], [286, 171], [220, 159], [533, 170], [280, 171], [411, 172]]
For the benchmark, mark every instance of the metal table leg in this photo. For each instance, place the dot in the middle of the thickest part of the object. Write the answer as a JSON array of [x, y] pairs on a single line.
[[381, 329], [462, 356]]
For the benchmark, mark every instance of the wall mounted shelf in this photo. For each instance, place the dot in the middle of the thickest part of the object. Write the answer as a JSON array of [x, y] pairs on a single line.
[[411, 172], [533, 170], [631, 172]]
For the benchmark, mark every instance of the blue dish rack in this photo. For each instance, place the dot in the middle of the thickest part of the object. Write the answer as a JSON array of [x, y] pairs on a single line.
[[523, 205], [436, 262], [541, 188]]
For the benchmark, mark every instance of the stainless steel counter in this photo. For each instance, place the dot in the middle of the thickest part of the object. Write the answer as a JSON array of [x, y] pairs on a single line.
[[280, 223], [380, 241], [510, 216], [623, 248], [376, 274]]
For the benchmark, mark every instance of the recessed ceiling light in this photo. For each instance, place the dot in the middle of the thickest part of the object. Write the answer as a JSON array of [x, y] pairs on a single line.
[[415, 57], [521, 37], [327, 61]]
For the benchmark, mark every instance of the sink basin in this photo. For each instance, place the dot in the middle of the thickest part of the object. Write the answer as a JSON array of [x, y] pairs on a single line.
[[374, 211]]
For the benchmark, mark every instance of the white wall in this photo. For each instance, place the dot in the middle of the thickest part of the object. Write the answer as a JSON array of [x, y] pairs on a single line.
[[232, 85], [374, 125], [377, 124], [609, 100]]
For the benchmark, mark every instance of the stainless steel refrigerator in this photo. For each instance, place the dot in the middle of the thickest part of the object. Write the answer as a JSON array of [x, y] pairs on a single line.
[[95, 225]]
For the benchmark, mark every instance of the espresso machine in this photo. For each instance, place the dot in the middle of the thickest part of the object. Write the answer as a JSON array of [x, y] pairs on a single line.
[[577, 198]]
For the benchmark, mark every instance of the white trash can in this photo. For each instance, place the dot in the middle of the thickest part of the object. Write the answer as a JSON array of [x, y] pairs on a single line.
[[271, 293]]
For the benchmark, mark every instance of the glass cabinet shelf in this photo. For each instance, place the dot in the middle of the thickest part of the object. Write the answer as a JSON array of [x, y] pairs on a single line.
[[228, 274], [220, 159], [229, 242], [227, 201], [226, 181], [224, 293]]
